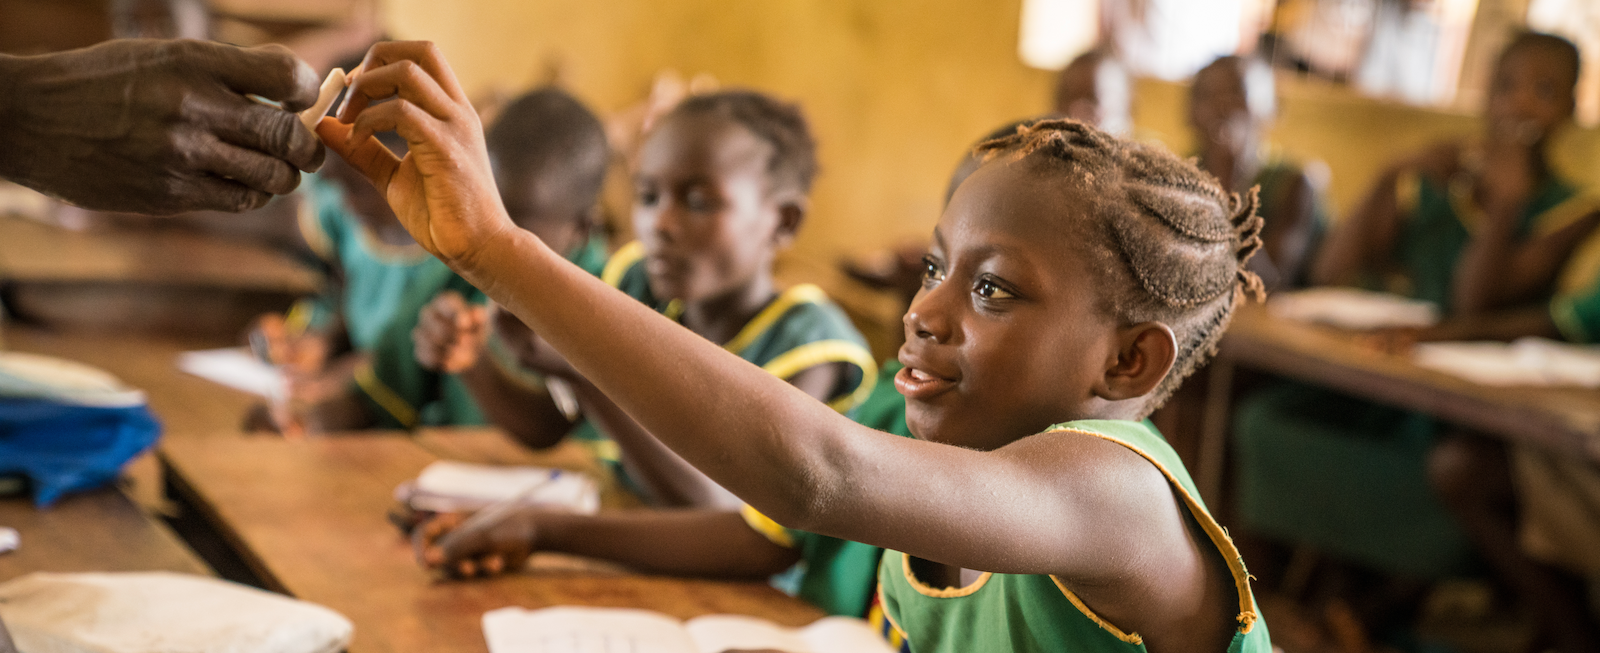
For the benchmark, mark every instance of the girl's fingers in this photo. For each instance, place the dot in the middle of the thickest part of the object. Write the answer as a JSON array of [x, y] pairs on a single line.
[[400, 116], [367, 155], [424, 54], [405, 79]]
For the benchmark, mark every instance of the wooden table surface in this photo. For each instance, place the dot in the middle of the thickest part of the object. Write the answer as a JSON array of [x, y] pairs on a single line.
[[309, 517], [1565, 419], [100, 530]]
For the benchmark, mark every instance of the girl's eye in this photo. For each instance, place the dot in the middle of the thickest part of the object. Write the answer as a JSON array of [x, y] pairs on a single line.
[[697, 200], [931, 270], [988, 290]]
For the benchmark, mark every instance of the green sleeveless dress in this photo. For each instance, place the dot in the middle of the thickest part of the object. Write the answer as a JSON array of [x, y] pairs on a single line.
[[1016, 613], [798, 330]]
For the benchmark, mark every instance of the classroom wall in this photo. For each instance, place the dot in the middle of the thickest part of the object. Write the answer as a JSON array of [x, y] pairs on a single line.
[[895, 90]]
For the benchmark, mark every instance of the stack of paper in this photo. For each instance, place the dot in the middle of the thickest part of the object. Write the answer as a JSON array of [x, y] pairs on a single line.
[[570, 629], [236, 368], [31, 376], [1526, 362], [450, 486], [1349, 308]]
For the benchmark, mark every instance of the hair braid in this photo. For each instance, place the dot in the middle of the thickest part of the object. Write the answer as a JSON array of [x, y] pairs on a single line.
[[1174, 243]]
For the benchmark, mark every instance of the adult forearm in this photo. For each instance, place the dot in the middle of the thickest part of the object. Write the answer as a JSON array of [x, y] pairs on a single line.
[[765, 440], [682, 543]]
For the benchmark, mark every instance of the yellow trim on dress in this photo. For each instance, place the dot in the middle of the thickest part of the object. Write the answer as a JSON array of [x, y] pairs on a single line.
[[884, 608], [1565, 315], [617, 266], [1219, 537], [804, 293], [1567, 212], [1130, 638], [773, 531], [386, 398], [1408, 192], [811, 354], [938, 593], [311, 229], [1581, 273]]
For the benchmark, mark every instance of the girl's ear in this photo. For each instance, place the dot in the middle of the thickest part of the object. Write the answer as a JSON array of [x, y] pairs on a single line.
[[1145, 353], [791, 214]]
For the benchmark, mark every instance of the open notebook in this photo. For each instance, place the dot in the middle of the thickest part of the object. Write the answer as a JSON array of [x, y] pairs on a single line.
[[622, 630]]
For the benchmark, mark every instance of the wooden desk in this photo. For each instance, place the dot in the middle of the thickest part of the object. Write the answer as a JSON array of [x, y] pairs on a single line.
[[1566, 419], [100, 530], [309, 517], [149, 280]]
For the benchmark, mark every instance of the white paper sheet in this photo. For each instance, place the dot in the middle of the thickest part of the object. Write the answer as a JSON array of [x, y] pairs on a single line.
[[236, 368], [1349, 308], [1525, 362], [448, 485], [583, 630]]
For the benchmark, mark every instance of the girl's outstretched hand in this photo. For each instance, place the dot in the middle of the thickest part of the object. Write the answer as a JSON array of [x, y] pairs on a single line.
[[442, 189]]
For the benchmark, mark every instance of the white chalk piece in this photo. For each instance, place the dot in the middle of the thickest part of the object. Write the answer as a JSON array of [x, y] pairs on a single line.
[[330, 91]]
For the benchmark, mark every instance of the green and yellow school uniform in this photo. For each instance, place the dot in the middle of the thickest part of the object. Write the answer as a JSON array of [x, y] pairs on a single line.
[[800, 329], [1348, 476], [397, 390], [1019, 613], [1575, 309], [833, 574]]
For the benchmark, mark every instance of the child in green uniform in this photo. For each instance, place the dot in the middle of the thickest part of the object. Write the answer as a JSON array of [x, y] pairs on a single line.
[[549, 156], [835, 575], [1347, 476], [721, 187], [1074, 280], [1232, 104]]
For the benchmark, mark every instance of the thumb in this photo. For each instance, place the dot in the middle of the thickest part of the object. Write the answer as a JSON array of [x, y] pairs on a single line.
[[370, 158]]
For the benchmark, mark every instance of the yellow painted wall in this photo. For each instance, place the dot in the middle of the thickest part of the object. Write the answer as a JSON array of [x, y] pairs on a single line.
[[895, 90]]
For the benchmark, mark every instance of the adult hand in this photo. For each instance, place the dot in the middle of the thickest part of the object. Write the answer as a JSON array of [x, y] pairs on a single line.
[[155, 126], [503, 546], [450, 334], [442, 190]]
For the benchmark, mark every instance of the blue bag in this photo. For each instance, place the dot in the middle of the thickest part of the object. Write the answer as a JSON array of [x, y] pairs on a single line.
[[64, 447]]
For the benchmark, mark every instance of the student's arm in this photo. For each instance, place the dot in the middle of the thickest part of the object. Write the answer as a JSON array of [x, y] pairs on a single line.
[[665, 477], [1364, 239], [1496, 271], [1051, 503], [700, 543], [452, 337], [1501, 325]]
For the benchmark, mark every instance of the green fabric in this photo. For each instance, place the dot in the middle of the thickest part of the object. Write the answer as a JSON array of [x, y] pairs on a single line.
[[804, 323], [1345, 476], [1022, 613], [838, 575], [1432, 237], [1578, 314], [428, 397], [375, 279]]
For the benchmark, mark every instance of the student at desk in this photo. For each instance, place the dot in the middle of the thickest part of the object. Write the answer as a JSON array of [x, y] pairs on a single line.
[[1534, 514], [1349, 477], [720, 188], [549, 156]]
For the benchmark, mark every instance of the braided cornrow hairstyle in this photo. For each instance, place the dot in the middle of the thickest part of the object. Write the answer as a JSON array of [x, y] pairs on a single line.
[[793, 165], [1171, 242]]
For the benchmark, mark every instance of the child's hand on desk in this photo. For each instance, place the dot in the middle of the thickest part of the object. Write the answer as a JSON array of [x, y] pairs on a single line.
[[493, 549], [443, 189], [450, 334]]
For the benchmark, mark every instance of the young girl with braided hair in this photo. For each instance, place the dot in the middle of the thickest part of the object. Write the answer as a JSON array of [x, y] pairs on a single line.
[[1073, 280]]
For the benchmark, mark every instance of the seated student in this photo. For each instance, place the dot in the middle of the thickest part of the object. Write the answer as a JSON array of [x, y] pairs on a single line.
[[549, 157], [1095, 89], [1533, 513], [1031, 512], [837, 576], [1232, 103], [721, 187], [1347, 476]]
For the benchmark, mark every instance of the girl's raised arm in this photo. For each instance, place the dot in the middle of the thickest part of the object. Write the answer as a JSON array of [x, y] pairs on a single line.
[[1055, 503]]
